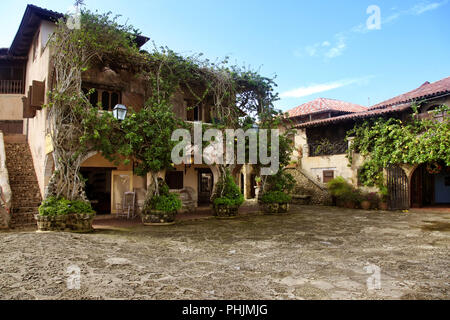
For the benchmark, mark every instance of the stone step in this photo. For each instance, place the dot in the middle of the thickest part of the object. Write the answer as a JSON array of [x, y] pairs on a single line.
[[26, 196]]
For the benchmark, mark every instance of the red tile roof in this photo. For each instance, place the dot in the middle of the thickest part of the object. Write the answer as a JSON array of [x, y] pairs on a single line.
[[323, 105], [427, 90], [357, 115]]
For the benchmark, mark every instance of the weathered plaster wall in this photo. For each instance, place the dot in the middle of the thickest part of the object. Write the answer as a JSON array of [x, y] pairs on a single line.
[[36, 128], [4, 178], [11, 107]]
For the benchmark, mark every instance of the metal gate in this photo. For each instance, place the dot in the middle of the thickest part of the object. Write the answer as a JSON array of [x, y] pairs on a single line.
[[397, 184]]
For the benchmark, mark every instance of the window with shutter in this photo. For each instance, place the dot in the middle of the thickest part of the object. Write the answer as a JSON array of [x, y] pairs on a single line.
[[328, 175], [37, 94]]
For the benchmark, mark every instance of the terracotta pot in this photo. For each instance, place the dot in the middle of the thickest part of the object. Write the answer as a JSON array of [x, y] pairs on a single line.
[[350, 204], [383, 206], [158, 217], [365, 205]]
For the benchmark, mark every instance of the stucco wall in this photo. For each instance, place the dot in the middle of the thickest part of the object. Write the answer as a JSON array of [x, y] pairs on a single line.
[[11, 107], [4, 178]]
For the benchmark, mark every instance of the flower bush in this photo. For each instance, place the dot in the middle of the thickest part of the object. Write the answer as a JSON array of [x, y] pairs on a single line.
[[53, 206]]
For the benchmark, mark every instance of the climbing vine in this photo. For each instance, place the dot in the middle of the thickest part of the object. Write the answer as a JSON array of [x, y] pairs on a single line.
[[384, 142], [77, 128]]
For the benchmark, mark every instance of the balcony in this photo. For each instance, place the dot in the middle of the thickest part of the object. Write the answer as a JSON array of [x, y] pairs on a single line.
[[11, 87], [327, 149]]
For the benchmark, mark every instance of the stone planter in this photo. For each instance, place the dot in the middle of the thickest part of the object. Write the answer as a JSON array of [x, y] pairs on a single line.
[[274, 208], [72, 222], [51, 223], [365, 205], [81, 222], [156, 217], [283, 207], [224, 211]]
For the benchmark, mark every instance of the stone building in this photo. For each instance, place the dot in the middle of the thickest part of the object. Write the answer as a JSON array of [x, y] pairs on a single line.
[[26, 77], [321, 146]]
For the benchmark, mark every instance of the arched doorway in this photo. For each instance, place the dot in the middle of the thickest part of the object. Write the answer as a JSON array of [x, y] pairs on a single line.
[[429, 189]]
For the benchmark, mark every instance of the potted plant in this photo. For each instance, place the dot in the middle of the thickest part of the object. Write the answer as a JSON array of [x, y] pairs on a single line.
[[275, 202], [227, 198], [367, 201], [59, 214], [276, 197], [162, 208], [384, 198], [341, 191]]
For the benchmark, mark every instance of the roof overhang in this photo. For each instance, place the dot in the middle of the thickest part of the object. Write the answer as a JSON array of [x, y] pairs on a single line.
[[31, 21], [355, 116]]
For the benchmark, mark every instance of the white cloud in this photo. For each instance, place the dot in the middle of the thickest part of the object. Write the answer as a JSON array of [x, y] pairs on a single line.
[[422, 7], [338, 48], [332, 49], [323, 87]]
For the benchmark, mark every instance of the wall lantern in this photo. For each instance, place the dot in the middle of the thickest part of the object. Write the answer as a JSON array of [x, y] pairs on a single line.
[[120, 112]]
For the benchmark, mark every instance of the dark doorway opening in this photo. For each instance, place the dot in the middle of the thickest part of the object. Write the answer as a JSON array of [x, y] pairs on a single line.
[[205, 186], [429, 189], [253, 186], [98, 188]]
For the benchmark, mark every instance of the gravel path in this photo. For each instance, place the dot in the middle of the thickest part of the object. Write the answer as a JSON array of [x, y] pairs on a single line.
[[312, 253]]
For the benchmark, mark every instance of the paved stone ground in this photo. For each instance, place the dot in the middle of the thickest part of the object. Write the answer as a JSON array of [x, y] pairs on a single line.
[[312, 253]]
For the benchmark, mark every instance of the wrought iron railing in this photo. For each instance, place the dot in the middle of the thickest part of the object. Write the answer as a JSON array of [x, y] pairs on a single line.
[[327, 149], [11, 87]]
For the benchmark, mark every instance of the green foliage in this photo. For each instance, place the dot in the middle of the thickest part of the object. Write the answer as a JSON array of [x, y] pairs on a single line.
[[144, 136], [227, 192], [165, 201], [282, 181], [344, 191], [275, 197], [59, 206], [392, 142]]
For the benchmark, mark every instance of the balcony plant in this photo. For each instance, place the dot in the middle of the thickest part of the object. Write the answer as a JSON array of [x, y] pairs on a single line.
[[227, 197], [161, 209], [59, 214]]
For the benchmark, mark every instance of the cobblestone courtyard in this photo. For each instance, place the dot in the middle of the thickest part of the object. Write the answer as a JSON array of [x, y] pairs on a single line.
[[312, 253]]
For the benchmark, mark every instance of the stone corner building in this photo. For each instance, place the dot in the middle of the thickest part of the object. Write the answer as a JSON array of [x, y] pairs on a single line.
[[26, 76], [329, 120]]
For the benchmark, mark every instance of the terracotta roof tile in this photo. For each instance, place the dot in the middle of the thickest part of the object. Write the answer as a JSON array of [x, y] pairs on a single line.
[[357, 115], [322, 105], [426, 90]]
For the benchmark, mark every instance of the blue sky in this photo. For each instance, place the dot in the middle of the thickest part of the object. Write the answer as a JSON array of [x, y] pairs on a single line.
[[316, 48]]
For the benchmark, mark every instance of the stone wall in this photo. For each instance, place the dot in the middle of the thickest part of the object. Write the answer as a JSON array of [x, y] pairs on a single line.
[[307, 186]]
